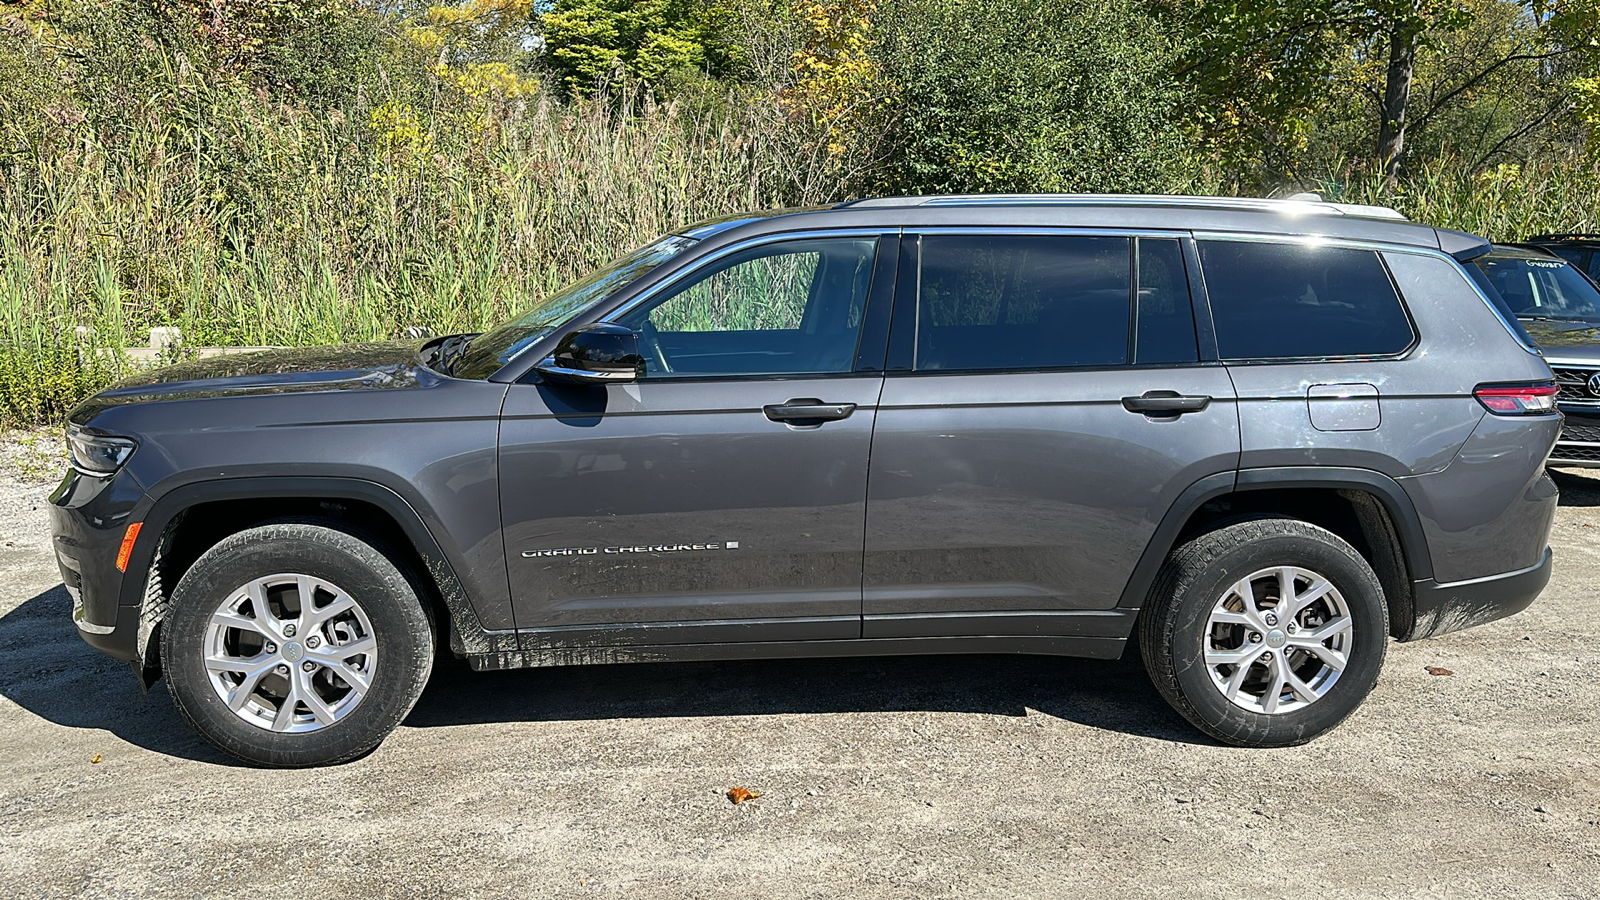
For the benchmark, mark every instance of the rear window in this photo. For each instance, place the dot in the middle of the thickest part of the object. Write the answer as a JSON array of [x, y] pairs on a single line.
[[1301, 301]]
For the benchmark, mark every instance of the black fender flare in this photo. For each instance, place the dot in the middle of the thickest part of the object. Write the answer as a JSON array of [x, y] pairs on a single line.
[[1402, 512], [465, 628]]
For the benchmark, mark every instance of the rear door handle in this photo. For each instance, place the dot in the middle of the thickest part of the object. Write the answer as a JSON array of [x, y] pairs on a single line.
[[808, 412], [1166, 403]]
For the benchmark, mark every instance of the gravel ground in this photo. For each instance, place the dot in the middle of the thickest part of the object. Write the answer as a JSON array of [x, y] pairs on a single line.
[[972, 777]]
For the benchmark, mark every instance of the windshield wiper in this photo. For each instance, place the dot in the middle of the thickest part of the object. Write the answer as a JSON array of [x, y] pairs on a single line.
[[1533, 318], [449, 350]]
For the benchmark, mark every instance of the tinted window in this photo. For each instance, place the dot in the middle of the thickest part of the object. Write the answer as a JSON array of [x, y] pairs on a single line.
[[790, 308], [1542, 288], [1165, 317], [1290, 300], [493, 349], [1023, 302], [1569, 254]]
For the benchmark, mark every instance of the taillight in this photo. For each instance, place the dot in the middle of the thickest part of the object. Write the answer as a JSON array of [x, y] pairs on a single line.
[[1517, 399]]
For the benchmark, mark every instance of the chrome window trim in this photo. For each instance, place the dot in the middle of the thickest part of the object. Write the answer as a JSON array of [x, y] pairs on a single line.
[[1380, 247], [1050, 231], [1283, 206]]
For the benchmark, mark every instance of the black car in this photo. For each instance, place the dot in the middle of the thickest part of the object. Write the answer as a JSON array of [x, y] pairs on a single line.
[[1560, 309], [1582, 250]]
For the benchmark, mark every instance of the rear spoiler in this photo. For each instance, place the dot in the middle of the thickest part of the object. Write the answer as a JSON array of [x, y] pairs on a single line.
[[1463, 246]]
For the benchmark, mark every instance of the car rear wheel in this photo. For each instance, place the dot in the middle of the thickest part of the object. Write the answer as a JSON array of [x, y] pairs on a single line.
[[1266, 632], [295, 644]]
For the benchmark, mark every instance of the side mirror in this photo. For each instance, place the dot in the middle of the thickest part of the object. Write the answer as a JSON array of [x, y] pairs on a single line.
[[599, 353]]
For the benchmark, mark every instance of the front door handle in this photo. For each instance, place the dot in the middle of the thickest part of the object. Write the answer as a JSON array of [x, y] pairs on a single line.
[[808, 412], [1166, 403]]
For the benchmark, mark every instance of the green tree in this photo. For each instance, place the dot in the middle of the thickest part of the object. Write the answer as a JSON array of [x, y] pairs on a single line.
[[1265, 68], [656, 42], [1029, 95]]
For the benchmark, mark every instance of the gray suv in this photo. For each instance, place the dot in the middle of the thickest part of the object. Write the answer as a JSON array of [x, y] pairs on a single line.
[[1265, 436]]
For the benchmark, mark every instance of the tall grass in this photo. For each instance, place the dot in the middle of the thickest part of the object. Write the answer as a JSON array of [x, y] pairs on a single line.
[[293, 227], [247, 223]]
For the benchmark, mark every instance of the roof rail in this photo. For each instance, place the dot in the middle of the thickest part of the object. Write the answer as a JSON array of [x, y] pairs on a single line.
[[1576, 236], [1293, 205]]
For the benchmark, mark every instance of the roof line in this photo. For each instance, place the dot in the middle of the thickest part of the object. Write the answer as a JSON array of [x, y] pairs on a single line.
[[1290, 206]]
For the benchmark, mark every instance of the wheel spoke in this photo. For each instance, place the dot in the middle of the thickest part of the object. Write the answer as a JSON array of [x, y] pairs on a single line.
[[1247, 592], [1285, 591], [1236, 680], [1328, 631], [226, 619], [314, 702], [285, 716], [1310, 595], [1275, 682], [345, 651], [1332, 658], [313, 618], [237, 663], [350, 675], [241, 693], [1235, 657], [1297, 687], [1229, 617]]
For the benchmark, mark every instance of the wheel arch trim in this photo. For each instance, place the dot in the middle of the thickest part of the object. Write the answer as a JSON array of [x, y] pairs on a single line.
[[166, 510], [1402, 512]]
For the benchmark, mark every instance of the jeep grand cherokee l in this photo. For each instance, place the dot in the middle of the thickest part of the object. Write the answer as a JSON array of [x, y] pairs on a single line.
[[1269, 436], [1560, 310]]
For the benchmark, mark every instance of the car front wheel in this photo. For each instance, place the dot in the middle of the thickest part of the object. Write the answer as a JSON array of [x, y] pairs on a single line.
[[295, 644]]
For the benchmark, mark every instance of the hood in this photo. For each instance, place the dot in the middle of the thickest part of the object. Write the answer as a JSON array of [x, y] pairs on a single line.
[[351, 367], [1577, 342]]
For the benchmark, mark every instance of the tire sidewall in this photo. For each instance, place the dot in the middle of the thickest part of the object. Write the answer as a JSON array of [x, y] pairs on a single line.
[[1363, 595], [400, 628]]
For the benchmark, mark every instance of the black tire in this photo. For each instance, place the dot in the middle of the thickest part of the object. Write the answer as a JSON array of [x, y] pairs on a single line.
[[400, 627], [1173, 629]]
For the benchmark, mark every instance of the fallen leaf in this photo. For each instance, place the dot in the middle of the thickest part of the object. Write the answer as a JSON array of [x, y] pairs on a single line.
[[739, 795], [1436, 670], [96, 760]]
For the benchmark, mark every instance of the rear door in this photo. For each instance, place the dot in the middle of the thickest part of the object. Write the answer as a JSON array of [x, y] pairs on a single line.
[[722, 496], [1046, 403]]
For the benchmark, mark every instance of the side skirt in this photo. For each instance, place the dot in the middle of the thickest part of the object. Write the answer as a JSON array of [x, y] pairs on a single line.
[[1090, 647]]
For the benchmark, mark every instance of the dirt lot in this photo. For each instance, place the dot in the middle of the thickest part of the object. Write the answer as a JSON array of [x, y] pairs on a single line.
[[1005, 777]]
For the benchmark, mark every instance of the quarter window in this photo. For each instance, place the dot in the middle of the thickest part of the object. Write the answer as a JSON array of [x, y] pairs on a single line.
[[1299, 301], [1165, 315]]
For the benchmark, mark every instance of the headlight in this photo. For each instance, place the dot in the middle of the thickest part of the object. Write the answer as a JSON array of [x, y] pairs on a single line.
[[97, 454]]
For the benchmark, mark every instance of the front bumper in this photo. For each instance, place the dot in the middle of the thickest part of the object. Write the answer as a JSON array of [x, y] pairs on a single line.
[[88, 517], [1444, 608]]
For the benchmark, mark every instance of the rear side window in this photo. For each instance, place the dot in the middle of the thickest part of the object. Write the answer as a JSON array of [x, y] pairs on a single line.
[[997, 301], [1297, 301]]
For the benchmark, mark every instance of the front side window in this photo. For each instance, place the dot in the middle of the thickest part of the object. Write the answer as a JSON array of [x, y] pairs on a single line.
[[487, 352], [1301, 301], [787, 308]]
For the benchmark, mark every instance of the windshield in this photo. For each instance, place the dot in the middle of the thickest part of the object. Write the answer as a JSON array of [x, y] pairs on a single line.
[[493, 349], [1542, 288]]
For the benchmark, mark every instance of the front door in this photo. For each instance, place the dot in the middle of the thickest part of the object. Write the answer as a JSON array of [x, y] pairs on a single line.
[[722, 496], [1048, 408]]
